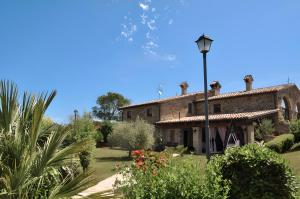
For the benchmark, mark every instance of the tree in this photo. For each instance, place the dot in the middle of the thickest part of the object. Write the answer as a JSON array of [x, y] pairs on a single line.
[[30, 168], [108, 106], [132, 135]]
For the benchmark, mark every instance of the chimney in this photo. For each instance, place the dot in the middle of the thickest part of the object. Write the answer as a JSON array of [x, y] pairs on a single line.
[[215, 88], [184, 86], [248, 80]]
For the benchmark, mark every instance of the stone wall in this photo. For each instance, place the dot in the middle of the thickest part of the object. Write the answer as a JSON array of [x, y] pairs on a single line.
[[141, 112], [292, 96], [240, 104], [176, 108]]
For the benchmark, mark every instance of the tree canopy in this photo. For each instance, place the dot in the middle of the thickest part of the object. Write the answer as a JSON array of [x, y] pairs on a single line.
[[108, 106]]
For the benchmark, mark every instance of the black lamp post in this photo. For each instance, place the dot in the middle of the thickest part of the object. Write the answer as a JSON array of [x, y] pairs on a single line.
[[75, 114], [204, 43]]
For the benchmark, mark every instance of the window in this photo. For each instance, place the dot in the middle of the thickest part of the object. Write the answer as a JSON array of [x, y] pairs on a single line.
[[190, 108], [128, 114], [285, 109], [217, 108], [149, 112]]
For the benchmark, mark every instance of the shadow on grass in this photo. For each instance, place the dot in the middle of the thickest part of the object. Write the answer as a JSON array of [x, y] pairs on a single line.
[[113, 159]]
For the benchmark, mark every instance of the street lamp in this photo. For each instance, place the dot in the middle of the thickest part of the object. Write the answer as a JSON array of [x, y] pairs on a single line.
[[204, 43], [75, 114]]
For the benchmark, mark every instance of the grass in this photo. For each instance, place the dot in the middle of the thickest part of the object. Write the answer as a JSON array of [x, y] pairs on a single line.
[[105, 160]]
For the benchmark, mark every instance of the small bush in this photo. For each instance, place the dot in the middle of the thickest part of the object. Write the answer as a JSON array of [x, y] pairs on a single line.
[[296, 147], [106, 129], [249, 172], [263, 129], [281, 143], [295, 129]]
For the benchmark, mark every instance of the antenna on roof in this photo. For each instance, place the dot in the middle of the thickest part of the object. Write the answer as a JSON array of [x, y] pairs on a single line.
[[160, 91]]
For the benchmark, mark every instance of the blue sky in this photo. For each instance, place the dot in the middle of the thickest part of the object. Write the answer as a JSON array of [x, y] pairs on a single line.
[[85, 48]]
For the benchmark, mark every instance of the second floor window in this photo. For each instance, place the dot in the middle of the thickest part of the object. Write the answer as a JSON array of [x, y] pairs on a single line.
[[128, 114], [190, 108], [217, 108], [149, 112]]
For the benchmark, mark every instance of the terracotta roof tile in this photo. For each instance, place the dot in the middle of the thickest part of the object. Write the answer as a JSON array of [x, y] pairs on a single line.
[[252, 92], [162, 100], [219, 117]]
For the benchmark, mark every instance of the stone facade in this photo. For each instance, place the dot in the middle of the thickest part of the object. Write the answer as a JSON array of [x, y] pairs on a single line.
[[239, 104], [278, 103]]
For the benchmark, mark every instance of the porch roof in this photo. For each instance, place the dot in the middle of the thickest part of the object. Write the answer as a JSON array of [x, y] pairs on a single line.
[[220, 117]]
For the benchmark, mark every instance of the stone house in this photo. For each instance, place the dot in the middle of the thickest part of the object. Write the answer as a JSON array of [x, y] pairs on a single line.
[[232, 116]]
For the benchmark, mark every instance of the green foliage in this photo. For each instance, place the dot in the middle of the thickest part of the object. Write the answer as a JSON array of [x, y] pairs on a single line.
[[264, 128], [249, 172], [295, 147], [98, 136], [108, 106], [156, 175], [106, 129], [179, 149], [83, 128], [295, 129], [29, 167], [281, 143], [132, 135]]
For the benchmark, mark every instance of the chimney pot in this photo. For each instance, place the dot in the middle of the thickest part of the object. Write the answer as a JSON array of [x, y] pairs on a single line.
[[248, 81], [184, 86], [215, 88]]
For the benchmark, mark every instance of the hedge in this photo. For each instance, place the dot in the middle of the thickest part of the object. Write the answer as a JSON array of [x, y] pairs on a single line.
[[249, 172], [281, 143], [295, 129]]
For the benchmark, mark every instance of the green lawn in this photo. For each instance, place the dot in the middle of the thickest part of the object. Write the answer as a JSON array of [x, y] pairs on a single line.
[[105, 160]]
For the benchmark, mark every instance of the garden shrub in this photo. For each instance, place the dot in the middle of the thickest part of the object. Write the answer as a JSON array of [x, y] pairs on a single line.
[[296, 147], [281, 143], [249, 172], [263, 129], [132, 135], [295, 129], [157, 175]]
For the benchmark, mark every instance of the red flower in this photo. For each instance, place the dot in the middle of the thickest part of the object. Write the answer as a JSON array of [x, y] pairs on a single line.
[[136, 152]]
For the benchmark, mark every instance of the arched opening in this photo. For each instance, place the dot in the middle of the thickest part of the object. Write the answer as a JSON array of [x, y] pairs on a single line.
[[297, 110], [285, 109]]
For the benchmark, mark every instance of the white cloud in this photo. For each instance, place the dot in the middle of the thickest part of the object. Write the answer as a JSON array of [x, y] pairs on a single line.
[[151, 24], [128, 31], [148, 22], [144, 18], [145, 7], [169, 57]]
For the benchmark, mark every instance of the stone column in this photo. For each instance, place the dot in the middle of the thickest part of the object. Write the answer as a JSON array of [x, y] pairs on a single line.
[[197, 137], [250, 133]]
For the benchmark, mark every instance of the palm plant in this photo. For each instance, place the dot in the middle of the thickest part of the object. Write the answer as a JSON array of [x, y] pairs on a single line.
[[33, 163]]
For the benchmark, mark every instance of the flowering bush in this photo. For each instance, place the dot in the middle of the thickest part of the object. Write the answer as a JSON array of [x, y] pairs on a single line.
[[157, 175]]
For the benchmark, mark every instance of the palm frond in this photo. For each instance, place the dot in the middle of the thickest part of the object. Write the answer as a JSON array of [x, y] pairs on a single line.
[[9, 104], [71, 187]]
